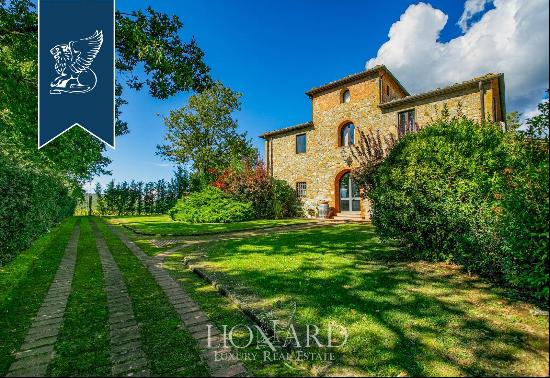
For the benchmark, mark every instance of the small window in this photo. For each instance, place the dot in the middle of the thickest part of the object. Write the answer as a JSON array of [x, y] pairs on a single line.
[[405, 122], [346, 96], [387, 90], [301, 189], [301, 144], [347, 135]]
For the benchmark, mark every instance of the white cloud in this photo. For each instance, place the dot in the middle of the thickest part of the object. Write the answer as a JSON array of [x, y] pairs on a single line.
[[471, 8], [511, 38]]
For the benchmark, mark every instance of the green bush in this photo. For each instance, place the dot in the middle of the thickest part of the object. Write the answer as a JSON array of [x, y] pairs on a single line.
[[211, 205], [270, 198], [468, 193], [285, 202], [524, 225], [31, 203]]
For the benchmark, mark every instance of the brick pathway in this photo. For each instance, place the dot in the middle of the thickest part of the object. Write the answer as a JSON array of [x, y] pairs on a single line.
[[37, 350], [191, 315], [127, 356]]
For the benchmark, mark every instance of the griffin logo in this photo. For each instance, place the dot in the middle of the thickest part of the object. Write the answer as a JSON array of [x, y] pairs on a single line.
[[72, 64]]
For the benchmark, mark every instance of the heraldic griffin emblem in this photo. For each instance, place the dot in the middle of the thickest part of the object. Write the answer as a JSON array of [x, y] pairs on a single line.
[[72, 63]]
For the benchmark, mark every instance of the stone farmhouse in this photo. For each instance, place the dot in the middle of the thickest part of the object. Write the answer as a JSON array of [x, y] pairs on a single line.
[[309, 156]]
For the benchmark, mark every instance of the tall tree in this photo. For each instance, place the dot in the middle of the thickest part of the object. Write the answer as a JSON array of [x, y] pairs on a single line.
[[513, 120], [181, 181], [145, 39], [100, 200], [204, 132]]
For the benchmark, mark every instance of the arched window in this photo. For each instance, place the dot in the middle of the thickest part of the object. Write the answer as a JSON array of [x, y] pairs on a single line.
[[346, 96], [347, 134]]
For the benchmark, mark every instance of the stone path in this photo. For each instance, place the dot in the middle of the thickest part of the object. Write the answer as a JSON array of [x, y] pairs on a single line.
[[191, 315], [127, 356], [37, 350]]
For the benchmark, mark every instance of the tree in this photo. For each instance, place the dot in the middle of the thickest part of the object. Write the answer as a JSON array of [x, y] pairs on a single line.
[[139, 205], [101, 205], [368, 154], [513, 121], [147, 42], [181, 181], [109, 196], [147, 38], [149, 198], [537, 126], [152, 39], [204, 132]]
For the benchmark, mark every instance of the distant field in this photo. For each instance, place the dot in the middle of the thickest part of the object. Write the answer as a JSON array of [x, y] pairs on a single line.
[[164, 225]]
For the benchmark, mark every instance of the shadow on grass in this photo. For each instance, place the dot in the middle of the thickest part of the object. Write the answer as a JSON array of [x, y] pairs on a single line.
[[401, 316]]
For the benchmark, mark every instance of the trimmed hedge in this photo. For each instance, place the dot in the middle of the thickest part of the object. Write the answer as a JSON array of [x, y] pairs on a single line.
[[31, 203], [211, 205], [475, 195]]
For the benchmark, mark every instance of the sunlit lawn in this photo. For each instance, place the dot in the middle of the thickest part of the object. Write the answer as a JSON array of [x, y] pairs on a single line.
[[403, 317], [164, 225]]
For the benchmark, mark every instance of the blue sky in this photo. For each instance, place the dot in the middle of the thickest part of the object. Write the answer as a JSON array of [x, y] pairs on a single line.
[[273, 51]]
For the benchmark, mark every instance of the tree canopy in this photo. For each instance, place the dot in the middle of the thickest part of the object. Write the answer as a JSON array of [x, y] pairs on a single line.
[[144, 39], [39, 187], [204, 132]]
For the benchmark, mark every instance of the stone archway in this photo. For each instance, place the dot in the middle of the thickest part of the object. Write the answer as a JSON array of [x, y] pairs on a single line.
[[346, 193]]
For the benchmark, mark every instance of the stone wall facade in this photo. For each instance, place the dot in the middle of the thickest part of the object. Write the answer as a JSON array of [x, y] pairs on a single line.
[[376, 100]]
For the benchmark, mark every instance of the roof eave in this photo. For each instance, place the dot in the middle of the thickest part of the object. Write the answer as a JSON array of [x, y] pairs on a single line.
[[346, 80], [405, 91], [285, 130], [436, 92]]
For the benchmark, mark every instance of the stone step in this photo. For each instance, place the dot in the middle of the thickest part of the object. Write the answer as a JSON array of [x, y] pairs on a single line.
[[351, 214], [348, 216]]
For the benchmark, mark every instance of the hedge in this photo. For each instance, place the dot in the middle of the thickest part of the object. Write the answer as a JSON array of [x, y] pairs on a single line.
[[31, 203], [211, 205], [468, 193]]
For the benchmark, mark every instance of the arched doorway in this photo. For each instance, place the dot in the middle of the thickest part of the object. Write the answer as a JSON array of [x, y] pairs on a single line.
[[348, 192]]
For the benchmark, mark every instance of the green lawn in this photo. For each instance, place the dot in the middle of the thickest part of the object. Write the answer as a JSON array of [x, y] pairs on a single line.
[[24, 283], [170, 349], [223, 312], [402, 317], [164, 225], [82, 347]]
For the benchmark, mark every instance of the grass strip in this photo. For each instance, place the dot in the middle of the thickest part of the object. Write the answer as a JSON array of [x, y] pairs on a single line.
[[83, 344], [16, 270], [170, 348], [222, 312], [163, 225], [24, 283]]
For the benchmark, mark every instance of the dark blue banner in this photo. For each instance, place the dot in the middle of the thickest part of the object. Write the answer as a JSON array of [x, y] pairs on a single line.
[[76, 68]]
